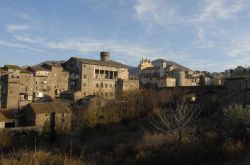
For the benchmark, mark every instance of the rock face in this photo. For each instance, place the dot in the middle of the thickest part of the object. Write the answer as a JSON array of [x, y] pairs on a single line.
[[135, 71]]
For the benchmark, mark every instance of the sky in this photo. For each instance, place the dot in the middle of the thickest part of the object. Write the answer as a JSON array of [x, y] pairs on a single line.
[[211, 35]]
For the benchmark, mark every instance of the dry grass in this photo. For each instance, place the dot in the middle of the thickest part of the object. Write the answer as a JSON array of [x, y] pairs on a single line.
[[5, 139], [39, 158]]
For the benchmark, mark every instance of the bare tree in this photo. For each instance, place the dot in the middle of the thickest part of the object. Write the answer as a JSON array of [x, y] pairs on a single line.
[[178, 119]]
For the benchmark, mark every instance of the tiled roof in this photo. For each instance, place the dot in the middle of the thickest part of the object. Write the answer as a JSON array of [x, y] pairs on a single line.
[[34, 69], [49, 107], [102, 63], [7, 115]]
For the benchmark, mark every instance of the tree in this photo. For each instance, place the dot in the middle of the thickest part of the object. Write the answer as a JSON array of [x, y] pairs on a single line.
[[179, 119]]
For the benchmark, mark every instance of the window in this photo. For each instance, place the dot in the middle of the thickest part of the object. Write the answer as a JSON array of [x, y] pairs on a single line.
[[111, 75], [97, 85], [106, 85], [84, 76], [96, 73], [115, 74], [106, 74], [102, 73]]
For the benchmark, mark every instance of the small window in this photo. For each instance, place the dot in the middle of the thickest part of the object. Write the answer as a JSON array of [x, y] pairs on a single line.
[[97, 85], [84, 76]]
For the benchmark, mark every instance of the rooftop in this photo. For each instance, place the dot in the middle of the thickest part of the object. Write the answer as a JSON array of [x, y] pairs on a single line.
[[49, 107], [6, 116], [102, 63]]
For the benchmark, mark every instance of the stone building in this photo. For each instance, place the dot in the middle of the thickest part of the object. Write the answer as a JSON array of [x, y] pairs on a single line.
[[10, 87], [7, 119], [91, 102], [239, 90], [26, 88], [21, 86], [59, 79], [50, 115], [75, 79], [164, 75], [126, 86], [145, 63], [50, 81], [95, 77]]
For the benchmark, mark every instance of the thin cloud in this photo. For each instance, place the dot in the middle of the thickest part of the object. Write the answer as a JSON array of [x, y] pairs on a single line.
[[220, 10], [13, 28], [157, 11], [17, 45], [240, 47], [17, 14], [163, 12], [90, 45], [128, 50]]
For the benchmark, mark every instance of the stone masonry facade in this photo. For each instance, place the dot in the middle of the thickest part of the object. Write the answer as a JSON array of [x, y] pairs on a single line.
[[74, 79]]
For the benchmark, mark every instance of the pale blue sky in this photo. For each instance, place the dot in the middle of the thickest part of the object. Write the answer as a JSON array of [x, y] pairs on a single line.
[[211, 35]]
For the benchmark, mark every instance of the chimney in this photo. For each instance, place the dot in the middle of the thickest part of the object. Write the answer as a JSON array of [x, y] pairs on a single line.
[[105, 56]]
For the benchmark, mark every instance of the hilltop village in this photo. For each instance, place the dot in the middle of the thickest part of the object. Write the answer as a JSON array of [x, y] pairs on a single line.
[[33, 96]]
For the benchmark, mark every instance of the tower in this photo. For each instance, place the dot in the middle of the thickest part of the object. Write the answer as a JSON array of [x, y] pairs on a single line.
[[105, 56], [162, 68]]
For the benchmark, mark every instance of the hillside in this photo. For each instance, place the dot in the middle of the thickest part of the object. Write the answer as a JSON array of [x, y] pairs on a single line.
[[50, 62]]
